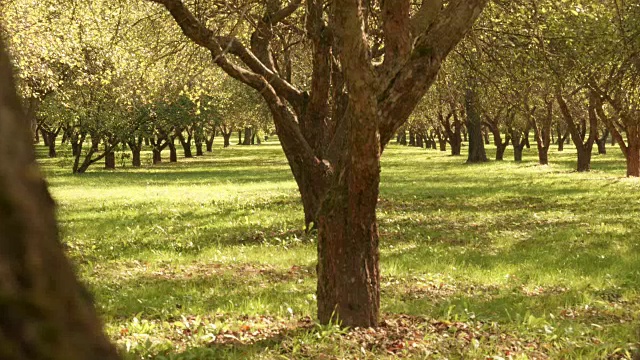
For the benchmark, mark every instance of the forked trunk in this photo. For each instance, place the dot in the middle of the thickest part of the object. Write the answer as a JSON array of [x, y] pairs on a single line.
[[186, 144], [500, 149]]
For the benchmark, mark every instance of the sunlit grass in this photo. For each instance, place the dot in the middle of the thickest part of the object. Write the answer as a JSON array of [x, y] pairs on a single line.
[[547, 254]]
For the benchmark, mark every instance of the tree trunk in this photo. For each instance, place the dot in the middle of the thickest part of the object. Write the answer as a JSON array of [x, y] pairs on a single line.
[[419, 141], [45, 138], [403, 138], [173, 154], [584, 159], [477, 153], [110, 160], [248, 134], [186, 144], [412, 138], [348, 256], [601, 142], [52, 146], [45, 312], [209, 144], [487, 140], [227, 139], [633, 158], [135, 158], [500, 149], [146, 141], [157, 156], [517, 152]]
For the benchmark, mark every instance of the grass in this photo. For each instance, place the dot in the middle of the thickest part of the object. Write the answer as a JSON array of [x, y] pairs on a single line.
[[207, 258]]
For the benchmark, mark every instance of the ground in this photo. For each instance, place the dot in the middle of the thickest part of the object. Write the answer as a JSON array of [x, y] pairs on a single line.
[[207, 258]]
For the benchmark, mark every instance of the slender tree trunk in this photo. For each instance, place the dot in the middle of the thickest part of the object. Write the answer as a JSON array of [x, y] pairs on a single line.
[[52, 145], [45, 312], [601, 142], [173, 154]]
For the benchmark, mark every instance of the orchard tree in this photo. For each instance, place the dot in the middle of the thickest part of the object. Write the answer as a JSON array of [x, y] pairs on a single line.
[[371, 64]]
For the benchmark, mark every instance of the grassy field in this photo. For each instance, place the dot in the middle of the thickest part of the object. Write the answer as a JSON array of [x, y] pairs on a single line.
[[207, 258]]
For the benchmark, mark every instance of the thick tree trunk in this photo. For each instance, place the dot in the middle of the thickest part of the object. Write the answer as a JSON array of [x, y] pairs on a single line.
[[186, 144], [477, 153], [561, 145], [500, 149], [517, 152], [248, 134], [110, 160], [584, 159], [443, 144], [543, 155], [210, 144], [135, 158], [157, 156], [45, 312]]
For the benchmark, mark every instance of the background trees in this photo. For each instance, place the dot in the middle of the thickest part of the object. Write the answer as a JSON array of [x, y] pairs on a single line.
[[44, 313]]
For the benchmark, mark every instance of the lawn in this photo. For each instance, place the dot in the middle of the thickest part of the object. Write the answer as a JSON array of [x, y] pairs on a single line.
[[207, 258]]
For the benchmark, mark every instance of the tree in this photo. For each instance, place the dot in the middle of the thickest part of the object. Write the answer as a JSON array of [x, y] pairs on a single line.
[[44, 314], [334, 133]]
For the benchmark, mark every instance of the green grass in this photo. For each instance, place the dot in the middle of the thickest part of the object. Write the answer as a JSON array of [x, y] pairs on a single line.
[[207, 258]]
